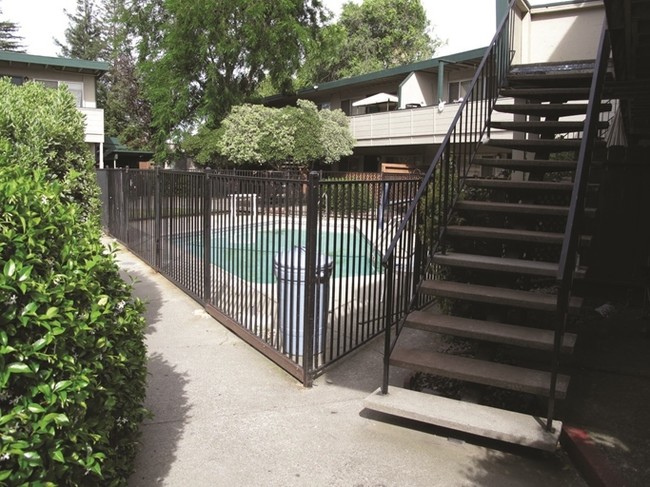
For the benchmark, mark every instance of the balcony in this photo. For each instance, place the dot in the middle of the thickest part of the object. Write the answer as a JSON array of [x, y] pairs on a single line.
[[94, 124], [410, 126]]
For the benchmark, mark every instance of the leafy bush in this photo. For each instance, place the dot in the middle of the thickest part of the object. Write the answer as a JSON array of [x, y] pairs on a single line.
[[72, 354], [42, 127], [346, 196], [71, 343]]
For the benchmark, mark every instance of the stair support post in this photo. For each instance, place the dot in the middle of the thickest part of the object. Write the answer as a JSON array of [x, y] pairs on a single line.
[[389, 296]]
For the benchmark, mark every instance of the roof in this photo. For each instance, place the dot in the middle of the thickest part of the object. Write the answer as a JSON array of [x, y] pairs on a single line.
[[96, 68], [384, 75], [115, 149]]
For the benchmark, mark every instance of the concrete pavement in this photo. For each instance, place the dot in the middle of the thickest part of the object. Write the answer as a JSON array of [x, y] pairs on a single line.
[[226, 416]]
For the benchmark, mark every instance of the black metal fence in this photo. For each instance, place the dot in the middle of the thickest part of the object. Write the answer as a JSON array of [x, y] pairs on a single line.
[[289, 262]]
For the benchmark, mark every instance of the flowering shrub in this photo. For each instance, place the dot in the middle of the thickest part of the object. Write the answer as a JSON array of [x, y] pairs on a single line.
[[72, 354]]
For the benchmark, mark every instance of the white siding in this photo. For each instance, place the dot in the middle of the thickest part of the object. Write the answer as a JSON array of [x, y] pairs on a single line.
[[94, 124]]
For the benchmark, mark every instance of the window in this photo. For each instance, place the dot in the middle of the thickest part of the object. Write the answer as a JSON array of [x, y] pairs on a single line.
[[458, 90], [15, 80], [75, 87]]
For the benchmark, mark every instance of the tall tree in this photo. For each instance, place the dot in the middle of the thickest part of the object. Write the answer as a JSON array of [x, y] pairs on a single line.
[[212, 55], [9, 41], [375, 35], [84, 35]]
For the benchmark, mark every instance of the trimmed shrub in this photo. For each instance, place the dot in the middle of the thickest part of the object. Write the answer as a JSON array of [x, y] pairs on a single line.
[[72, 353], [71, 343], [42, 127], [348, 196]]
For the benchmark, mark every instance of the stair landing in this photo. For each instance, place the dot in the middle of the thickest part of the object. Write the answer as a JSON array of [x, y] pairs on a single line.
[[489, 422]]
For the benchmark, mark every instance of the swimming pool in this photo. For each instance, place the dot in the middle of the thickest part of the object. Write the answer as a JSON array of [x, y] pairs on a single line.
[[248, 252]]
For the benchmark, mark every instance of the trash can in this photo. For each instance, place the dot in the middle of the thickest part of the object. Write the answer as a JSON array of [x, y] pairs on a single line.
[[289, 268]]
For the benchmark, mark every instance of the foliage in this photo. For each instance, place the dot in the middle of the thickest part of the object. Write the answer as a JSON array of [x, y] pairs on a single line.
[[9, 41], [344, 195], [210, 56], [336, 138], [255, 134], [84, 35], [260, 135], [42, 127], [127, 113], [72, 357], [375, 35]]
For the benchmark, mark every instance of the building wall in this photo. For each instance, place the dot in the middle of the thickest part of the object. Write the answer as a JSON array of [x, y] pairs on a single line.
[[418, 88], [560, 33]]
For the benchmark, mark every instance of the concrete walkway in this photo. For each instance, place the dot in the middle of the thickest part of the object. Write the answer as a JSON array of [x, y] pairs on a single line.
[[226, 416]]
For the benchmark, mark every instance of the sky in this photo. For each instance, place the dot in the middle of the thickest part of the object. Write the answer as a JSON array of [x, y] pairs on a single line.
[[464, 26], [42, 21]]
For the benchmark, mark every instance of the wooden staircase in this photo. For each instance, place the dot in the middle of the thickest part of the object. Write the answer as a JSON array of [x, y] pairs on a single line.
[[497, 268]]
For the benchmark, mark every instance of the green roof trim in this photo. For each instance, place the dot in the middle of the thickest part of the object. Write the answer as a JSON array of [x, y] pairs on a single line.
[[62, 64], [404, 69], [113, 146]]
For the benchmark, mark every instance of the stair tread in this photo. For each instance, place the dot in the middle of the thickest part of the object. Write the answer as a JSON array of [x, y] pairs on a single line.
[[529, 164], [509, 234], [505, 233], [548, 93], [549, 126], [485, 421], [523, 336], [548, 109], [507, 183], [496, 295], [499, 264], [505, 376], [532, 145], [521, 208]]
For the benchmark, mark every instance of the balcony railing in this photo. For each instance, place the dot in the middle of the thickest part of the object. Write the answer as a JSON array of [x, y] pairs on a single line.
[[94, 124]]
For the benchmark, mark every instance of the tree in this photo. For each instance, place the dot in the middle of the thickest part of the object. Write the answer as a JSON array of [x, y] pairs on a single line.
[[299, 136], [212, 55], [375, 35], [84, 35], [9, 41]]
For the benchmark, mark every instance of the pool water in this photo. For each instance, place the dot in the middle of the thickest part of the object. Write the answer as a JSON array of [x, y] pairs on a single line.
[[248, 252]]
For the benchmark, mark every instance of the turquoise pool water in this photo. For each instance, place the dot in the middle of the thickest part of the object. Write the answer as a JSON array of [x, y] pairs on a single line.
[[248, 252]]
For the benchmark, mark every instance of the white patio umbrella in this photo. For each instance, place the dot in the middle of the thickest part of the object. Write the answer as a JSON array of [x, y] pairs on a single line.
[[377, 99]]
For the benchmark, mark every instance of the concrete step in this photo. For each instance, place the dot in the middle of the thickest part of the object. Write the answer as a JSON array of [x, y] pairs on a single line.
[[483, 421], [477, 371], [490, 331], [497, 295]]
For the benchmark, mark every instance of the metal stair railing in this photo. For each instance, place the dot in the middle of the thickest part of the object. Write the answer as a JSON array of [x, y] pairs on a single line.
[[569, 253], [408, 258]]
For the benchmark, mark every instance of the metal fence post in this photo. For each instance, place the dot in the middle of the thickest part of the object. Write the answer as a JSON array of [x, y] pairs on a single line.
[[207, 235], [126, 186], [157, 218], [313, 189]]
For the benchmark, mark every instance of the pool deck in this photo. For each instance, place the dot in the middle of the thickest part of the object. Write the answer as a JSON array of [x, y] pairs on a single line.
[[224, 415]]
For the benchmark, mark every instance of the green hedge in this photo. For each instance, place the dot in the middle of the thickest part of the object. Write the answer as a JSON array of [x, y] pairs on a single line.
[[347, 196], [71, 343], [72, 353]]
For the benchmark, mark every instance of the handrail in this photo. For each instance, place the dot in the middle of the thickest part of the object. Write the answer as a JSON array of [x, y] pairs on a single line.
[[447, 141], [421, 231], [569, 253]]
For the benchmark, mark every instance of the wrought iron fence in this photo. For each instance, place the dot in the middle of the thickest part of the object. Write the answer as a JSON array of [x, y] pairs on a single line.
[[291, 264]]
